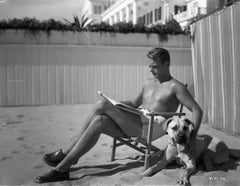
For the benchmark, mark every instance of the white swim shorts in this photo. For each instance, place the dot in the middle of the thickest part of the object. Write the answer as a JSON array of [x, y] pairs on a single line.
[[158, 130]]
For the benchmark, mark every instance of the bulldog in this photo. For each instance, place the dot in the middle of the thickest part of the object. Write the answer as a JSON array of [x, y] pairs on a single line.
[[210, 150]]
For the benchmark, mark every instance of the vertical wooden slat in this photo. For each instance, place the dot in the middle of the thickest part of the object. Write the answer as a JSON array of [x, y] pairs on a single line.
[[28, 76], [105, 78], [126, 81], [67, 77], [75, 76], [236, 70], [119, 81], [19, 76], [97, 81], [43, 76], [59, 78], [36, 77], [227, 73], [51, 87], [112, 80], [11, 81], [3, 75]]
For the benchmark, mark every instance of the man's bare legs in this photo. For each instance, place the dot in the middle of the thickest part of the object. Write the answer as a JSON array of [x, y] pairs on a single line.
[[90, 117], [105, 118], [98, 110]]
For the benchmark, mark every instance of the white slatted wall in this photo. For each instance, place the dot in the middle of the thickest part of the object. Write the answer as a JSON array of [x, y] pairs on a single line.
[[72, 74], [217, 68]]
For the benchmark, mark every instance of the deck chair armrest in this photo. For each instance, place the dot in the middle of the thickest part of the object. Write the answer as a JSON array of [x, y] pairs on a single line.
[[166, 114]]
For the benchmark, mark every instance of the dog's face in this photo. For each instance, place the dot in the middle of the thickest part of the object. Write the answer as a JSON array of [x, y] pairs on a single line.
[[179, 129]]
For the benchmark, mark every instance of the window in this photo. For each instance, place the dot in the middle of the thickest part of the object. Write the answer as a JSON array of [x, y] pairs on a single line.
[[144, 19], [158, 13], [141, 20], [179, 9], [151, 17], [184, 8], [97, 9], [148, 18]]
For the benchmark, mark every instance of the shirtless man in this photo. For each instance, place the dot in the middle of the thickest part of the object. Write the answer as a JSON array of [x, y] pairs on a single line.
[[162, 93]]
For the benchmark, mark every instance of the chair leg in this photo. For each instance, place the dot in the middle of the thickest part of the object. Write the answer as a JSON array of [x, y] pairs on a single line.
[[146, 162], [149, 142], [113, 149]]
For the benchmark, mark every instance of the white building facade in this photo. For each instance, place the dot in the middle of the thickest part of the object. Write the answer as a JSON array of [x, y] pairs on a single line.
[[148, 12], [145, 12], [198, 8], [94, 8]]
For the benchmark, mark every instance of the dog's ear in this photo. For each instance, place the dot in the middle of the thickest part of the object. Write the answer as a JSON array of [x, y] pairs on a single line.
[[166, 123], [188, 121], [190, 124]]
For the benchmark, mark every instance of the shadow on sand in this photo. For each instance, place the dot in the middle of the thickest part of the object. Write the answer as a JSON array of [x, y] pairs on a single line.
[[108, 169], [114, 168]]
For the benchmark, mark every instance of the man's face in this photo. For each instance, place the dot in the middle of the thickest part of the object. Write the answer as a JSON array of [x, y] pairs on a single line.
[[156, 68]]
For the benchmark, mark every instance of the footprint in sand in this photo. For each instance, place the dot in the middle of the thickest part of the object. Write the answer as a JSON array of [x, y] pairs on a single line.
[[20, 116], [101, 154], [39, 147], [131, 177], [13, 122], [25, 147], [38, 152], [38, 166], [42, 146], [15, 152], [6, 158], [21, 138], [105, 144]]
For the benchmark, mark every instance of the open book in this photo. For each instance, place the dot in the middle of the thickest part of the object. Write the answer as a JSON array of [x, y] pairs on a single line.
[[122, 106]]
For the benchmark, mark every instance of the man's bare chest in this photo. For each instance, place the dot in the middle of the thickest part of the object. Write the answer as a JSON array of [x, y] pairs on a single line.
[[158, 93]]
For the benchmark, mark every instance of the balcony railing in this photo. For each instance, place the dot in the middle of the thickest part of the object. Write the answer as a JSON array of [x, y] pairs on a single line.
[[183, 16]]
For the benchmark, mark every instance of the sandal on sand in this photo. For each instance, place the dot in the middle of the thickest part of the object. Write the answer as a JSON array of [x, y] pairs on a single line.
[[52, 176], [54, 158]]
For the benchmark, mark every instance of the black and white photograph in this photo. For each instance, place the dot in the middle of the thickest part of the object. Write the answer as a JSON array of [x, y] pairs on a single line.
[[120, 92]]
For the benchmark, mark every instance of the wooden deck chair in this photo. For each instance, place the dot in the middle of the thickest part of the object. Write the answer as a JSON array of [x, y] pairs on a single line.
[[144, 145]]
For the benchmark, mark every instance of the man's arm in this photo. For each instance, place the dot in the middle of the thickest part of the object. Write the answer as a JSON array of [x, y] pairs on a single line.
[[188, 101]]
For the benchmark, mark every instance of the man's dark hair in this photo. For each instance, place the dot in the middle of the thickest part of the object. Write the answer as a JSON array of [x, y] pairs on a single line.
[[159, 53]]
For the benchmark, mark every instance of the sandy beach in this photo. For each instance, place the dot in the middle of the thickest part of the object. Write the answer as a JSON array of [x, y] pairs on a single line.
[[26, 133]]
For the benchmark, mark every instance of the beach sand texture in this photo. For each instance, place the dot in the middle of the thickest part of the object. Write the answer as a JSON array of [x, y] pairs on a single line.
[[26, 133]]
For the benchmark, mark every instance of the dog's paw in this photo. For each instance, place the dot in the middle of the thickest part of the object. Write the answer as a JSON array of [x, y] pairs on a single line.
[[148, 172], [183, 180]]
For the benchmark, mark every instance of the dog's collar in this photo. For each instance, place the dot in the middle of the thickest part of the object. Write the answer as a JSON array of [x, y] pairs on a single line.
[[172, 142]]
